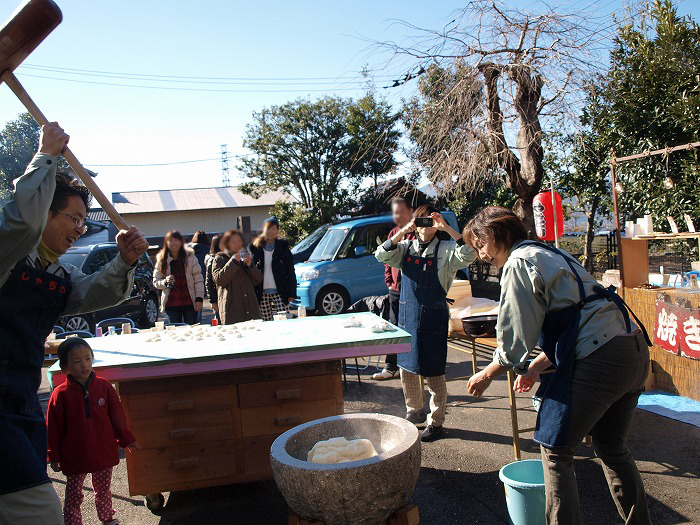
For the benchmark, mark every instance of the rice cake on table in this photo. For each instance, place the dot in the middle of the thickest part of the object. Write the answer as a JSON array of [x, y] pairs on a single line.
[[206, 406]]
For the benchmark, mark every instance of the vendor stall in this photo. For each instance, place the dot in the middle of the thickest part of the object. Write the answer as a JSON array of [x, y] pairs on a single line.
[[669, 308], [206, 403]]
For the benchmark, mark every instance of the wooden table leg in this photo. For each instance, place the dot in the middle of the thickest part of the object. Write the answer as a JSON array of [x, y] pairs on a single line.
[[514, 415]]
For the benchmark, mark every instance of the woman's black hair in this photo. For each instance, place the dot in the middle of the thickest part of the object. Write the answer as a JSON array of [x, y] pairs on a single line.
[[214, 248], [494, 225], [425, 211], [67, 345], [200, 237], [162, 258], [67, 186]]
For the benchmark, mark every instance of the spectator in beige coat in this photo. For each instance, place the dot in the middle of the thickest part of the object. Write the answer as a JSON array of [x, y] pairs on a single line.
[[236, 279], [179, 276]]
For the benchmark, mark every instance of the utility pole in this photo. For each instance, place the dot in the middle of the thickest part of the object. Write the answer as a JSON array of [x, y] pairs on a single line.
[[224, 166]]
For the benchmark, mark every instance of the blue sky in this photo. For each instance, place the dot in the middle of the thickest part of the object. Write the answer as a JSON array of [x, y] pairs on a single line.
[[314, 47]]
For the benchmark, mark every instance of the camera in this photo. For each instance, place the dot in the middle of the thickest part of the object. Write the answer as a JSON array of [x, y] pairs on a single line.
[[424, 222]]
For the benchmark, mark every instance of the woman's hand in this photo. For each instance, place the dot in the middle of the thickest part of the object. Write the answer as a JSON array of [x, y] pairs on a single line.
[[399, 235], [170, 279], [237, 256], [439, 221], [478, 383], [248, 261], [524, 383], [215, 307], [56, 466], [410, 227], [198, 306]]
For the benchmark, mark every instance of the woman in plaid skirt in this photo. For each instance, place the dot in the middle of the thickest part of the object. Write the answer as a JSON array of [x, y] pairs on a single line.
[[272, 256]]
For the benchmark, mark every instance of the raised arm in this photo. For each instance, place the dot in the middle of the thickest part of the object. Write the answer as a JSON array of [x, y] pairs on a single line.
[[113, 283], [392, 251], [108, 287], [23, 218], [224, 268]]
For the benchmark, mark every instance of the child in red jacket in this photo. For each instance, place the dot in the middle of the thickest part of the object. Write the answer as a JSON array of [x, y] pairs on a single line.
[[85, 422]]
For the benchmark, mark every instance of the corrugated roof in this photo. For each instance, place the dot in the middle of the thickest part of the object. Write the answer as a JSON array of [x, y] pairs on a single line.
[[191, 199], [97, 214]]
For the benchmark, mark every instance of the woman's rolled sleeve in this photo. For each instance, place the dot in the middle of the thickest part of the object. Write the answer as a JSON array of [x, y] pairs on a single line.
[[520, 315], [461, 257], [392, 254]]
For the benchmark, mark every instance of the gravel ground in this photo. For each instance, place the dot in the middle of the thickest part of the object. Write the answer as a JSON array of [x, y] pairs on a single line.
[[459, 481]]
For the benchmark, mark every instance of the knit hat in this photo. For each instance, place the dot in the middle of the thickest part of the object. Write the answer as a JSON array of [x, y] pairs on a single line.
[[272, 221]]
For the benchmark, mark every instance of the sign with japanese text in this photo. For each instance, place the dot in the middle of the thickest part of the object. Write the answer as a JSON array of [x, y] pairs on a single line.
[[677, 329]]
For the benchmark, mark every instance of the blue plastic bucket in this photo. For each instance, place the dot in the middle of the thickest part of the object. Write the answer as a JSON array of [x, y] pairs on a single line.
[[525, 496]]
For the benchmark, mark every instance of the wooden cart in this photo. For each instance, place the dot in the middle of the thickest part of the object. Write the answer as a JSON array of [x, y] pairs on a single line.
[[206, 416]]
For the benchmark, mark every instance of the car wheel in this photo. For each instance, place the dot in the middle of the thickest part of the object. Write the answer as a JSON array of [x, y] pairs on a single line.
[[150, 312], [332, 300], [79, 322]]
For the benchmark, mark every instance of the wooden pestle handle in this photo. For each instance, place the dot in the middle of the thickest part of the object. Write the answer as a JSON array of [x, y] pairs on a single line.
[[11, 80]]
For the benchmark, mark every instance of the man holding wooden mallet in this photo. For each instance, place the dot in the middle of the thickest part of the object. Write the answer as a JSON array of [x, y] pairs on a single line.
[[42, 220]]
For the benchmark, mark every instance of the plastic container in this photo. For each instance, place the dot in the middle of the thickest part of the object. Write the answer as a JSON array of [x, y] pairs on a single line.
[[525, 494]]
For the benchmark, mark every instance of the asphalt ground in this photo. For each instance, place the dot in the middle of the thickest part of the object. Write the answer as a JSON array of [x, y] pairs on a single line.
[[458, 483]]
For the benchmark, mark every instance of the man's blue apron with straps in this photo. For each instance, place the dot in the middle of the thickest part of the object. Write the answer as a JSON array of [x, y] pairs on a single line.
[[31, 300], [558, 342], [423, 313]]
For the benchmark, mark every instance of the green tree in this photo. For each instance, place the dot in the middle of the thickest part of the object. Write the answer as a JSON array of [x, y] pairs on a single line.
[[320, 151], [501, 77], [434, 132], [295, 221], [653, 93], [19, 141], [578, 164]]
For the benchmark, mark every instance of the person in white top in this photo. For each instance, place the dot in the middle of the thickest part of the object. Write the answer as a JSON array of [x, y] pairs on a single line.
[[274, 259]]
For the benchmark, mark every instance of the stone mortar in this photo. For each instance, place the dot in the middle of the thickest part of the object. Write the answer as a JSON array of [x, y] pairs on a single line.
[[364, 492]]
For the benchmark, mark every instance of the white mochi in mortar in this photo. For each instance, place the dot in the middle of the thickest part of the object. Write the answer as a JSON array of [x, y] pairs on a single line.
[[340, 450]]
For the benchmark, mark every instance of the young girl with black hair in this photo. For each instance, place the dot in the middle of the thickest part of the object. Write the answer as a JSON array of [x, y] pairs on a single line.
[[86, 425]]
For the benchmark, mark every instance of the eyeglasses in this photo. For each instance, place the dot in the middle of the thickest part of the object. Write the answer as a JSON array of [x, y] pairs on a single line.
[[79, 221]]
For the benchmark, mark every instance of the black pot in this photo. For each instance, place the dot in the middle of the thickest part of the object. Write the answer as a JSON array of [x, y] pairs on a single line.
[[480, 325]]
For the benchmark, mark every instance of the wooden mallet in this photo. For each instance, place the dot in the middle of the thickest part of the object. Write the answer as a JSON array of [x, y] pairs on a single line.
[[28, 26]]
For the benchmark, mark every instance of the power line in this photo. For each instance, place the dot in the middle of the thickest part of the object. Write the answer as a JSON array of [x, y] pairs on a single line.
[[166, 88], [150, 164], [194, 78], [246, 82]]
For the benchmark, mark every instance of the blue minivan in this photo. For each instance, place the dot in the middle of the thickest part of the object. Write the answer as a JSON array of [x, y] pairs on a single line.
[[342, 268]]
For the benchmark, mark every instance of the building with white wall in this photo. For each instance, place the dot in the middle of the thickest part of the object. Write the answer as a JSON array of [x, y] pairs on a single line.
[[189, 210]]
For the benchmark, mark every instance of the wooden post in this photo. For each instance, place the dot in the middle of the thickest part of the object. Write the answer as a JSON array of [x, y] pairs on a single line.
[[618, 235], [514, 415], [554, 211]]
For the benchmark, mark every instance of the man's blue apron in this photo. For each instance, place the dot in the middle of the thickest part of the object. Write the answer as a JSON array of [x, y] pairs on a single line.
[[558, 342], [423, 313], [30, 303]]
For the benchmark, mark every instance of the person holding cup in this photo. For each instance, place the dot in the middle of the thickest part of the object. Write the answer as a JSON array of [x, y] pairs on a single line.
[[179, 276], [236, 277]]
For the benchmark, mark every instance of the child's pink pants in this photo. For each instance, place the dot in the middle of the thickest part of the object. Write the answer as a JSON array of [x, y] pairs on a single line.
[[101, 482]]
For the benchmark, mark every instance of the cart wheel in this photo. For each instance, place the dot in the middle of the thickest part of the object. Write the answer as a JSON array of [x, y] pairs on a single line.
[[155, 502]]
